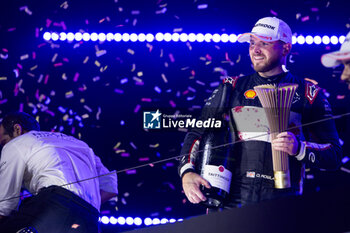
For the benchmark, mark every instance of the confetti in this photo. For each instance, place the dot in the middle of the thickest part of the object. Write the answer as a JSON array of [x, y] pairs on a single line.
[[273, 12], [101, 53], [130, 51], [164, 78], [69, 94], [143, 159], [129, 172], [25, 56], [172, 103], [305, 18], [157, 89], [116, 90], [76, 77], [133, 145], [202, 6]]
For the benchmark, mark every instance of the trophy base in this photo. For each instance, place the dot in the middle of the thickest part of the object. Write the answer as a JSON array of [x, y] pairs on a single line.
[[282, 179]]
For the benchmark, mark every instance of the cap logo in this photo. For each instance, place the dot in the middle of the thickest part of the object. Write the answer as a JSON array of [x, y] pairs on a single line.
[[266, 37], [264, 25]]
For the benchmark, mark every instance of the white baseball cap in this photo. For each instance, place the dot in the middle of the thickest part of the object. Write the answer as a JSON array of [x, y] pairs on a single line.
[[335, 58], [269, 29]]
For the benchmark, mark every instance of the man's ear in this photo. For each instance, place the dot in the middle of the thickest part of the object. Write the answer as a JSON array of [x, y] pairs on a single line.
[[287, 47], [17, 130]]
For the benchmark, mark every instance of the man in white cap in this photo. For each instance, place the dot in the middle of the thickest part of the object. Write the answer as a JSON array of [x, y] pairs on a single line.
[[342, 56], [316, 145]]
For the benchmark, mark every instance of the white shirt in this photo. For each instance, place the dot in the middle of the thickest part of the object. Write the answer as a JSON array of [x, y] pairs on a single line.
[[40, 159]]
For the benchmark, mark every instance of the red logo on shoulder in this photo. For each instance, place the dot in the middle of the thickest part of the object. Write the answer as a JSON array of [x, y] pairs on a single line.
[[221, 168]]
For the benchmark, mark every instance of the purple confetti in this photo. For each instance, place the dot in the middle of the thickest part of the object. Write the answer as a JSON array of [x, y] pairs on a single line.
[[118, 91], [133, 145], [172, 103], [130, 172], [124, 80], [137, 108], [157, 89]]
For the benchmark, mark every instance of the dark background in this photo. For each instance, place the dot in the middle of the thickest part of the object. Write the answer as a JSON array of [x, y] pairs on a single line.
[[96, 110]]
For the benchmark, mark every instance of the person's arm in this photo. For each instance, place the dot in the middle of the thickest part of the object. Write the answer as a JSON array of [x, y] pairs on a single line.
[[108, 181], [321, 148], [12, 168], [105, 196]]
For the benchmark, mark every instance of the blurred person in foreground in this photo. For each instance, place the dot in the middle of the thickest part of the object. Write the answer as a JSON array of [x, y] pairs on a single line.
[[62, 173], [339, 57]]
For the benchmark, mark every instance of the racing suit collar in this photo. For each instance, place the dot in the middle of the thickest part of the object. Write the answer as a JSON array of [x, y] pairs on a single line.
[[270, 80]]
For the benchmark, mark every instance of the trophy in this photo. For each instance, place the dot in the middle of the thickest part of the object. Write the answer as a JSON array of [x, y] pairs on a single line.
[[277, 101]]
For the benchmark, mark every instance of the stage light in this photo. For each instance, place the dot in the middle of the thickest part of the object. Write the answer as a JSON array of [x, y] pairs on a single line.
[[200, 37], [129, 221], [224, 38], [192, 37], [148, 221], [175, 37], [172, 220], [137, 221], [133, 37], [183, 37], [309, 39], [101, 37], [216, 37], [180, 220], [86, 36], [47, 36], [233, 38], [207, 37], [164, 220], [317, 40], [334, 40], [167, 37], [78, 36], [70, 36], [105, 220], [301, 40], [149, 37], [141, 37], [63, 36], [54, 36], [110, 36], [113, 220], [325, 40], [156, 221], [94, 36], [159, 36], [125, 37], [341, 39], [121, 220], [117, 37]]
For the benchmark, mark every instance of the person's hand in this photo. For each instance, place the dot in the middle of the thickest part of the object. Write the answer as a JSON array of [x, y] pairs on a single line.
[[190, 183], [286, 142]]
